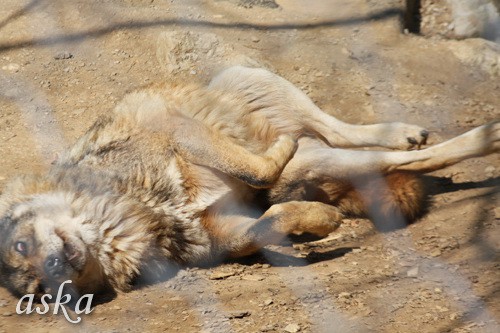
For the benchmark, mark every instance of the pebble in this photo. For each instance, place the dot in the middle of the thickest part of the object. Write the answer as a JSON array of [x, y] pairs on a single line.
[[7, 314], [436, 252], [490, 171], [237, 314], [255, 39], [63, 55], [268, 302], [344, 295], [12, 67], [292, 328]]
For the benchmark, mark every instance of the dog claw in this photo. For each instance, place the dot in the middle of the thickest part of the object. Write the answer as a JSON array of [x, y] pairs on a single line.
[[412, 140], [425, 135]]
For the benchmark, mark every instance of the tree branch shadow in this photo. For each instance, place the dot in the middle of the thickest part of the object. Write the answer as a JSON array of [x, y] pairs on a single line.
[[135, 25], [20, 12]]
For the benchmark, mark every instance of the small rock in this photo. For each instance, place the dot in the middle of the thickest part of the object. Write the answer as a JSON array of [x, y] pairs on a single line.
[[490, 171], [292, 328], [12, 67], [454, 316], [63, 55], [345, 51], [3, 302], [255, 39], [7, 314], [238, 314], [268, 302], [412, 272], [117, 308], [436, 252], [344, 295]]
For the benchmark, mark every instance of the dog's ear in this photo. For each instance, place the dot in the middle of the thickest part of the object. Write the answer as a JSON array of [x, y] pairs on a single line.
[[6, 226]]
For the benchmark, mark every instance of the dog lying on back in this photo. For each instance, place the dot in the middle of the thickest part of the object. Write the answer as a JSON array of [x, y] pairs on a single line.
[[190, 175]]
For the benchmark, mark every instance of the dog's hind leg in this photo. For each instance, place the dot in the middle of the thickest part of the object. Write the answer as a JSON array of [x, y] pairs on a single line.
[[282, 102], [199, 144], [239, 236], [346, 163], [354, 180]]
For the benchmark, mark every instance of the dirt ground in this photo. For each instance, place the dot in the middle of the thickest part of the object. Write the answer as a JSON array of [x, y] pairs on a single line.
[[64, 62]]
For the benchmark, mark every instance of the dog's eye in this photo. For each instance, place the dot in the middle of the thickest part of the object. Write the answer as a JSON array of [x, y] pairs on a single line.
[[21, 247]]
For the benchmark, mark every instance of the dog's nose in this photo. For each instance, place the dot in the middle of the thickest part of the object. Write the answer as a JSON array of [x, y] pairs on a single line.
[[53, 266]]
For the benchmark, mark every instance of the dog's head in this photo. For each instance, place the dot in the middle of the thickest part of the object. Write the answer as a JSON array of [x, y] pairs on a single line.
[[41, 246]]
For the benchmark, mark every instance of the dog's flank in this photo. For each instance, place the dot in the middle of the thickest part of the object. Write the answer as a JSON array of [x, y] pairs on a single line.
[[192, 175]]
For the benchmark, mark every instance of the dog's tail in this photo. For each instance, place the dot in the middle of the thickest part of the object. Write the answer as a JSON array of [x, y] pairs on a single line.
[[390, 201]]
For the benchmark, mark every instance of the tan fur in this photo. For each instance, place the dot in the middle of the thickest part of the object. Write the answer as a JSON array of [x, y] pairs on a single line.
[[191, 175]]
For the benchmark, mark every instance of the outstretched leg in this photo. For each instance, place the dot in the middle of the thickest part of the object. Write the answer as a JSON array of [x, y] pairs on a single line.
[[282, 102], [345, 163]]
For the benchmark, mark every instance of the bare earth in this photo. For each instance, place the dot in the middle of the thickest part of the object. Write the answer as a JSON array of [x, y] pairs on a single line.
[[63, 63]]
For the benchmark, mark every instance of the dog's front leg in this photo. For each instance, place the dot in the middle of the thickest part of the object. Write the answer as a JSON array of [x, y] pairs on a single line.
[[280, 220]]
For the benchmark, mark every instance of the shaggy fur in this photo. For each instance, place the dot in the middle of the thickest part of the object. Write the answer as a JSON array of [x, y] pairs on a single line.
[[190, 175]]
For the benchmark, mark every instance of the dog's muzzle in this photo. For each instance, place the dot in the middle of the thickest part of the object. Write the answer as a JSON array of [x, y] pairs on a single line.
[[54, 266]]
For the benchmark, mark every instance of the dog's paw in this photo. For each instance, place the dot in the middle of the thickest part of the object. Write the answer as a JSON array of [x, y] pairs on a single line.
[[418, 143], [404, 136], [285, 147]]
